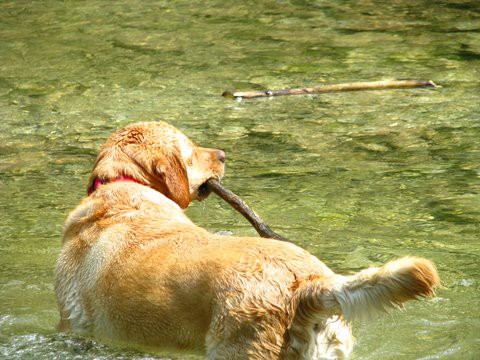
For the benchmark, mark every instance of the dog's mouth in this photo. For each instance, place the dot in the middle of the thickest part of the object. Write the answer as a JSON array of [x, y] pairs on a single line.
[[203, 191]]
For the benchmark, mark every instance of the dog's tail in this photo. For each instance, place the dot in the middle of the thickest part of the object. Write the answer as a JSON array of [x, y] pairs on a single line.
[[368, 292]]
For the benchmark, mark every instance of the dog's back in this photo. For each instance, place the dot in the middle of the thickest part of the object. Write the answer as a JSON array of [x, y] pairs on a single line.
[[127, 273], [134, 275]]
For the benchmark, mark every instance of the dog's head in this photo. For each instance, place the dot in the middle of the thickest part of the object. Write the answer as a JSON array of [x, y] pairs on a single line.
[[160, 156]]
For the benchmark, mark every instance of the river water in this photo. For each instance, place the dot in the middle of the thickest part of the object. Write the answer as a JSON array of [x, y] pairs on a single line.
[[355, 178]]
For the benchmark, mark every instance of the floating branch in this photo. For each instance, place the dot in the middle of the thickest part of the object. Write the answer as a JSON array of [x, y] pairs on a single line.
[[356, 86], [239, 205]]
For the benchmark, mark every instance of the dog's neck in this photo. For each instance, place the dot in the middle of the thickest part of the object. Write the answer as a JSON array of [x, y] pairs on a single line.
[[97, 182]]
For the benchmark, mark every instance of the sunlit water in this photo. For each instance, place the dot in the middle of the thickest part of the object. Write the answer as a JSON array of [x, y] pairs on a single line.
[[355, 178]]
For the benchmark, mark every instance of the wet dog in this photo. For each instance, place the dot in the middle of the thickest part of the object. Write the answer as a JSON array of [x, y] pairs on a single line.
[[134, 268]]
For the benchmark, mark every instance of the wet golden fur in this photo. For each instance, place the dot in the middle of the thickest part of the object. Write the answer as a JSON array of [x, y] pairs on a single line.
[[134, 268]]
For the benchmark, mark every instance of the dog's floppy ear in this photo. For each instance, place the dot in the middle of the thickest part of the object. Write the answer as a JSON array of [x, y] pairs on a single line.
[[171, 176]]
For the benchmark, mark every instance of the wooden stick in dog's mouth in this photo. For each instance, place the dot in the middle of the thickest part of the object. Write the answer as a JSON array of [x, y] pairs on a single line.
[[239, 205]]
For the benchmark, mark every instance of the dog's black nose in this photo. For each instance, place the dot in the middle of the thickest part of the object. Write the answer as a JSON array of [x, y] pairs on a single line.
[[221, 156]]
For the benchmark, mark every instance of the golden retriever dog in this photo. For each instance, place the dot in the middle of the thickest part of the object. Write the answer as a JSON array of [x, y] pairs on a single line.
[[134, 269]]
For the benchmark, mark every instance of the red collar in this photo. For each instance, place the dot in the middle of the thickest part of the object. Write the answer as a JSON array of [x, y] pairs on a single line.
[[97, 182]]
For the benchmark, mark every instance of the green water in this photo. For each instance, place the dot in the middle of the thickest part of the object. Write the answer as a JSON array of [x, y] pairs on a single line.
[[356, 178]]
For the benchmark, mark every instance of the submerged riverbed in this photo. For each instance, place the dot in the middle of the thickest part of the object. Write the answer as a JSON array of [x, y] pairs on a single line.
[[355, 178]]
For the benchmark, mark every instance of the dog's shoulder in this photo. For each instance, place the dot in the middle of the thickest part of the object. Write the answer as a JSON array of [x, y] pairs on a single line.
[[114, 221]]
